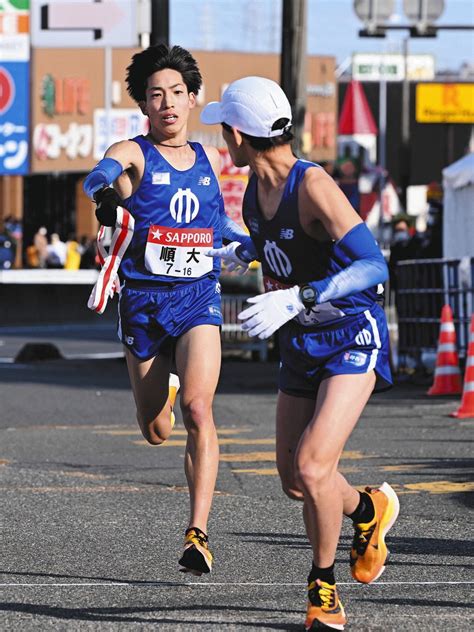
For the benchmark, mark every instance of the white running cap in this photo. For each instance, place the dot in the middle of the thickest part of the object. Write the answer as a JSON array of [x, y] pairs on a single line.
[[252, 105]]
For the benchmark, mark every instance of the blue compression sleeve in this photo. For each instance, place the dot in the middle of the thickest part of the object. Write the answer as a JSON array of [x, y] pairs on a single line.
[[102, 175], [233, 232], [368, 267]]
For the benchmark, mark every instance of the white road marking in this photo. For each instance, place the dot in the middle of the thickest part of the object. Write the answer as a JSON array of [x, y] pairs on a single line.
[[140, 584]]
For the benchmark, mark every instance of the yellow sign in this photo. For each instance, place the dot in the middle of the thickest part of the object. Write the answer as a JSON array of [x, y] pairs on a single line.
[[445, 103]]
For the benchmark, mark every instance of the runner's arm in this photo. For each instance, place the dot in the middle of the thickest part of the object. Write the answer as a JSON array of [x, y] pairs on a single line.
[[366, 267], [97, 185], [240, 248]]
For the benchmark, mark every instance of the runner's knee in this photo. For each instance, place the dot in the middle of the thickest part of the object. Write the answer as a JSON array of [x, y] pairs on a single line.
[[196, 413], [288, 483], [313, 474], [292, 491], [156, 431]]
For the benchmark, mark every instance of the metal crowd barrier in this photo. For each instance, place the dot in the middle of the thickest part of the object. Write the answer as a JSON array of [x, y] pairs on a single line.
[[423, 287], [232, 335]]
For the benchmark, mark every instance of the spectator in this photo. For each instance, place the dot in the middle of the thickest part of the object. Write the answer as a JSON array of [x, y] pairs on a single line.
[[73, 254], [40, 243], [399, 247], [432, 245], [88, 253], [56, 257]]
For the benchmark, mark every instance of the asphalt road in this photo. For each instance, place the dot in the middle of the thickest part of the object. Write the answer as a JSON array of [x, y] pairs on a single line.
[[92, 518]]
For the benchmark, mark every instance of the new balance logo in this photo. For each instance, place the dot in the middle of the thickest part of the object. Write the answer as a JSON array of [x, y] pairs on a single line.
[[287, 233], [204, 180]]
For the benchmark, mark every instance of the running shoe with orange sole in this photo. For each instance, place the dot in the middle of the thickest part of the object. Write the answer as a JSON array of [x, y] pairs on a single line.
[[369, 551], [196, 558], [325, 611]]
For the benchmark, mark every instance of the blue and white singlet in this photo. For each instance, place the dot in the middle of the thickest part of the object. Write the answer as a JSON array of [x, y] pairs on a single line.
[[176, 220]]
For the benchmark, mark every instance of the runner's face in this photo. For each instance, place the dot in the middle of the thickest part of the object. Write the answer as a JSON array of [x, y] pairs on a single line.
[[237, 153], [167, 101]]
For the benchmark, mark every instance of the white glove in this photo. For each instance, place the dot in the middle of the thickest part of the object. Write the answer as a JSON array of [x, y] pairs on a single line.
[[230, 259], [270, 311]]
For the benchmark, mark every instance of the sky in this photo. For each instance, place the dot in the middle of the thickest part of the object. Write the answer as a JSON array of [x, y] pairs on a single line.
[[255, 26]]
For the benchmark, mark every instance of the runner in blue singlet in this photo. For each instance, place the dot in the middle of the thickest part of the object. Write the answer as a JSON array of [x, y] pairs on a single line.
[[321, 269], [169, 303]]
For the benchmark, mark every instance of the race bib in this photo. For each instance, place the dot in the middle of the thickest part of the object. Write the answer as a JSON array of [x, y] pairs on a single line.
[[178, 252]]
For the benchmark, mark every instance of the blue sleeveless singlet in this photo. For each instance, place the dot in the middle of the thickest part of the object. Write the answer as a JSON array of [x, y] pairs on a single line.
[[288, 255], [176, 220]]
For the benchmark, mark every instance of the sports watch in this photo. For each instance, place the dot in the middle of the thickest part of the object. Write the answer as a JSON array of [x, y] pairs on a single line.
[[307, 296]]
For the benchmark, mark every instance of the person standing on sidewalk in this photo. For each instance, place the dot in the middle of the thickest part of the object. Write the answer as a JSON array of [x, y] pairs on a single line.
[[169, 305], [321, 269]]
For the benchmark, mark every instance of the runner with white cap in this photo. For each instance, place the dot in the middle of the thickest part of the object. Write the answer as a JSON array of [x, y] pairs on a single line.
[[321, 269]]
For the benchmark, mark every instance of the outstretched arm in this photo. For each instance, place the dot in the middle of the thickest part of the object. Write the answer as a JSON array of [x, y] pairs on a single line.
[[97, 185], [239, 251]]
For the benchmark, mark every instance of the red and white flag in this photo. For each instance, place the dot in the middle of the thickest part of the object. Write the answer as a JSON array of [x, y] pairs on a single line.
[[108, 283]]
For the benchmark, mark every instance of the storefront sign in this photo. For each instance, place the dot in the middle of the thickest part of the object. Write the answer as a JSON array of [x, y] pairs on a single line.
[[445, 103], [66, 95], [321, 89], [14, 30], [115, 125], [373, 67], [50, 141], [14, 100]]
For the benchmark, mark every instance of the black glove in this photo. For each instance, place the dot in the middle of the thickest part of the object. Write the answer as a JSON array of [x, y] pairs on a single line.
[[107, 200]]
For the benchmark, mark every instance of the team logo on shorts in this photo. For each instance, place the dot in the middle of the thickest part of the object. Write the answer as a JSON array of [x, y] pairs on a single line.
[[356, 358], [214, 311], [364, 337]]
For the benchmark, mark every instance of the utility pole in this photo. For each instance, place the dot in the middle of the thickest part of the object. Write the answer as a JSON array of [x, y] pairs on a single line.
[[160, 22], [293, 63], [405, 154]]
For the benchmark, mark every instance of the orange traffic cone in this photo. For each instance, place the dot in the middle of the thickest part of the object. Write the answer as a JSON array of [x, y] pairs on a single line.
[[447, 375], [467, 403]]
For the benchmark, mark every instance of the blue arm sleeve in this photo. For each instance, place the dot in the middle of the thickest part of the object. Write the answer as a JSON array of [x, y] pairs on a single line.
[[233, 232], [368, 267], [102, 175]]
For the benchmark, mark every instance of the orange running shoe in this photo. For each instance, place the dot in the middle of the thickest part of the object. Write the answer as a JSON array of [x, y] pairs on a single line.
[[196, 558], [369, 551], [325, 611]]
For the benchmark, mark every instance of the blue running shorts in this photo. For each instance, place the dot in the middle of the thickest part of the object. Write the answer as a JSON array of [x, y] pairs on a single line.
[[354, 344], [152, 317]]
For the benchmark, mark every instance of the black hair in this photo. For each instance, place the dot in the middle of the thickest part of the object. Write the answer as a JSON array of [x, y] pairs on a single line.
[[157, 58], [264, 144]]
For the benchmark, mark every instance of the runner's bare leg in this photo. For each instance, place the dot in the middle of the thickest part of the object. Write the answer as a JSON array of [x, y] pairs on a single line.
[[341, 400], [149, 380], [198, 361]]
